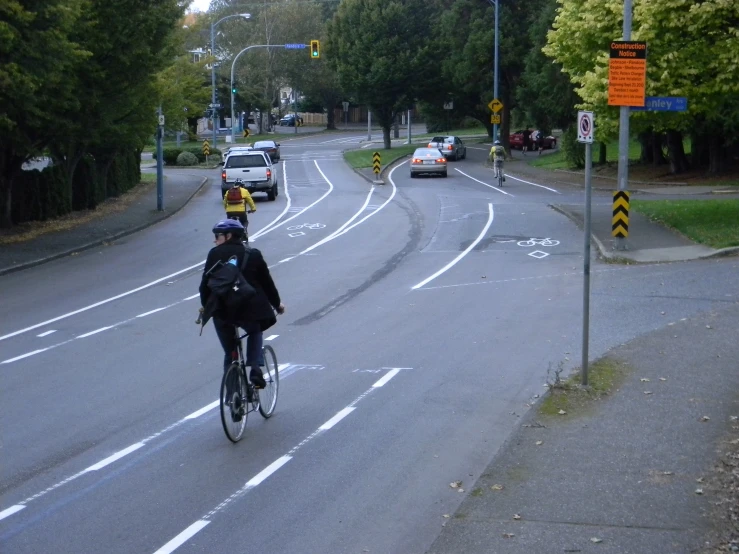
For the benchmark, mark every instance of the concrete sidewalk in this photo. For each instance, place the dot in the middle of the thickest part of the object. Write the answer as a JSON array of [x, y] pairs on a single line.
[[139, 212], [628, 473]]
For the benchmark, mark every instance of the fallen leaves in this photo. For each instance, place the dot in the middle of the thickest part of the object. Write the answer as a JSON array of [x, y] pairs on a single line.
[[496, 487], [698, 491], [705, 418], [508, 535], [539, 443]]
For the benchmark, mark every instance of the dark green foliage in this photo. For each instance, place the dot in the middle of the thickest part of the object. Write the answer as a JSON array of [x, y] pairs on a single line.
[[573, 151]]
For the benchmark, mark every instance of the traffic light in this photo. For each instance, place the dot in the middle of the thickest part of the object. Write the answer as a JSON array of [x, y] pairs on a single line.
[[315, 49], [234, 90]]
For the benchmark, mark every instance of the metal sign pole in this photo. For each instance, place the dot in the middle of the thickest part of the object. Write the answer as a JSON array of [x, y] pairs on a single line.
[[160, 163], [623, 129], [586, 266]]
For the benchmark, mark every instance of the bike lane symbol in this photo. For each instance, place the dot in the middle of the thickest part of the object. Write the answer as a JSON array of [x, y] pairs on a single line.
[[533, 241]]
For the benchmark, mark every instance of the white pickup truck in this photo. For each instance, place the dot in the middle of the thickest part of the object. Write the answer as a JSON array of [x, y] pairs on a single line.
[[254, 169]]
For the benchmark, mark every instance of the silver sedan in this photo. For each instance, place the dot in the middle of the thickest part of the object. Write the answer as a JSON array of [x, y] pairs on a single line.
[[428, 160]]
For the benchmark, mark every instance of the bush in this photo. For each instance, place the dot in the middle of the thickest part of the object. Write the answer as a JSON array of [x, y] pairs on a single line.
[[187, 158], [197, 151], [573, 151]]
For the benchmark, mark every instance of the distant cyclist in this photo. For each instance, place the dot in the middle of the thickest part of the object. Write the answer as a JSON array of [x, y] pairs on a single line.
[[497, 155], [235, 201]]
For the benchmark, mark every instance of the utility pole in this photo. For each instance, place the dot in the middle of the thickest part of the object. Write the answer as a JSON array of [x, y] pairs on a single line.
[[160, 163], [495, 67], [623, 130]]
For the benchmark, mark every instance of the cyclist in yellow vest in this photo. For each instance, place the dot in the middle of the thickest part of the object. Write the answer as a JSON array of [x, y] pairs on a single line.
[[235, 201], [497, 155]]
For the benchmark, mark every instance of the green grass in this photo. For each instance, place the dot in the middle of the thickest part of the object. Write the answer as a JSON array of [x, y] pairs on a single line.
[[363, 157], [604, 375], [148, 177], [551, 161], [714, 223]]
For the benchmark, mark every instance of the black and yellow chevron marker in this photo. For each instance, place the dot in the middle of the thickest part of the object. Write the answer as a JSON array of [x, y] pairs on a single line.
[[620, 221], [376, 162]]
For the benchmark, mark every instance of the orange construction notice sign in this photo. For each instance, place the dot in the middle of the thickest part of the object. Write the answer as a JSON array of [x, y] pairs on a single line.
[[627, 73]]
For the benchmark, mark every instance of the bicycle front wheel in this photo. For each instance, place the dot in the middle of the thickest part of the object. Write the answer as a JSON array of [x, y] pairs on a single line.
[[268, 395], [233, 402]]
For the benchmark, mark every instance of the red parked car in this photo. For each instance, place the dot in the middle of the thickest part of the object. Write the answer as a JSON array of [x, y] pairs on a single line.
[[516, 141]]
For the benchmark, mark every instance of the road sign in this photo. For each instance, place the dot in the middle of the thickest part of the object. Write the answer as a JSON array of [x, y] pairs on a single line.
[[449, 105], [346, 106], [293, 46], [206, 148], [161, 120], [214, 106], [627, 73], [495, 105], [376, 162], [663, 104], [620, 221], [495, 118], [246, 133], [585, 127]]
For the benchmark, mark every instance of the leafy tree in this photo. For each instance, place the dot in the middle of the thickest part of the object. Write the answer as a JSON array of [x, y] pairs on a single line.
[[380, 51], [38, 61]]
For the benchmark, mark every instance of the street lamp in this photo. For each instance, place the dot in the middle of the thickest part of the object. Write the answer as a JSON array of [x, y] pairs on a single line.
[[213, 67]]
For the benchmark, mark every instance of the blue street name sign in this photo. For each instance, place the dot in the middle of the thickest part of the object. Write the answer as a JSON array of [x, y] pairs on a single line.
[[663, 104], [295, 46]]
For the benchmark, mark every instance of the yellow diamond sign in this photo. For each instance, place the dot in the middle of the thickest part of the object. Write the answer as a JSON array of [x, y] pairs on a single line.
[[495, 105]]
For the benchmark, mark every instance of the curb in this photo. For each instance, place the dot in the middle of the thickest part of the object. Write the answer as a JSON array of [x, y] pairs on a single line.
[[108, 238], [383, 173]]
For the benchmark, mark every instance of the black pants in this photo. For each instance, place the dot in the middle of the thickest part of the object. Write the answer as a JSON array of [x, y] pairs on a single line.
[[226, 335], [241, 216]]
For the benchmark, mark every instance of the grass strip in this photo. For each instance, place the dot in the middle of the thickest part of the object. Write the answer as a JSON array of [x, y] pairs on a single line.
[[363, 157], [714, 223]]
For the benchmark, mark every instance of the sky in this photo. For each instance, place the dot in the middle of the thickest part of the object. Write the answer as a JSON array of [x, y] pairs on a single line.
[[199, 5]]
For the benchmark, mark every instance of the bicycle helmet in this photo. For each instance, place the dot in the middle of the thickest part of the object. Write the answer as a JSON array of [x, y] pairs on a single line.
[[497, 143], [232, 226]]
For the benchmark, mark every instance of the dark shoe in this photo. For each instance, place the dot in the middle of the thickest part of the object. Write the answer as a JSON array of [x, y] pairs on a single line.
[[257, 378]]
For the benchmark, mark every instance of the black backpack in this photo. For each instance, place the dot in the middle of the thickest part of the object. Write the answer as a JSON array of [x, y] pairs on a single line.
[[226, 281]]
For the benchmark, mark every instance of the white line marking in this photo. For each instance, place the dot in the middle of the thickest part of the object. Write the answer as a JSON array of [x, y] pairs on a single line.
[[115, 457], [284, 211], [107, 300], [26, 355], [530, 183], [285, 260], [193, 296], [463, 254], [338, 417], [389, 375], [96, 331], [47, 333], [272, 337], [203, 410], [482, 183], [10, 511], [154, 311], [267, 471], [182, 538]]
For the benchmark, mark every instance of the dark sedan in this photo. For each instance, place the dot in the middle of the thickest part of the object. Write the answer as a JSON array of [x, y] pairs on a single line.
[[269, 147]]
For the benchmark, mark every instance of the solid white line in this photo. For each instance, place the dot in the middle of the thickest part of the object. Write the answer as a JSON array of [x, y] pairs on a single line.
[[25, 355], [389, 375], [10, 511], [482, 183], [285, 260], [203, 410], [267, 471], [284, 211], [47, 333], [183, 537], [191, 297], [115, 457], [272, 337], [338, 417], [95, 332], [463, 254], [96, 304], [530, 183], [154, 311]]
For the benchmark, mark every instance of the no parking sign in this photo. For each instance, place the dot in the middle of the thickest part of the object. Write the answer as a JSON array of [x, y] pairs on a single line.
[[585, 127]]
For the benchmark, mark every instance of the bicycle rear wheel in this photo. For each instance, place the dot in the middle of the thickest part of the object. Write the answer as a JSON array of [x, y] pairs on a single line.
[[233, 402], [268, 395]]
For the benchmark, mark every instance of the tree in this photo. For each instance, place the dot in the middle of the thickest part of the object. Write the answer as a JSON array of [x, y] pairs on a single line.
[[38, 61], [380, 51]]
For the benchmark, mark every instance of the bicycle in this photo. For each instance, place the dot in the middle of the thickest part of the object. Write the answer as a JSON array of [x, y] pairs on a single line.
[[534, 241], [238, 396], [498, 164]]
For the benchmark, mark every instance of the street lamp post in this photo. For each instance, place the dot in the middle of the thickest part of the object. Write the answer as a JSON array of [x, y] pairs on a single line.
[[213, 67]]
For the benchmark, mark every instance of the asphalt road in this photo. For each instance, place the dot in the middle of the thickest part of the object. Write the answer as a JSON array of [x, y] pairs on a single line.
[[421, 321]]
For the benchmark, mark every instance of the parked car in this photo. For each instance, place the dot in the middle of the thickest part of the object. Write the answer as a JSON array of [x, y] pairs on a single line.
[[255, 170], [452, 147], [270, 147], [428, 160], [516, 141], [289, 120]]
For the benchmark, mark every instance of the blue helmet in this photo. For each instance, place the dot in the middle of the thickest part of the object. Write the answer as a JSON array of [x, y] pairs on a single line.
[[232, 226]]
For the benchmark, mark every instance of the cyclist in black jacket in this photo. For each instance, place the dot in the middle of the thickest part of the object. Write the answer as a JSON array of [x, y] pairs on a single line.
[[259, 313]]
